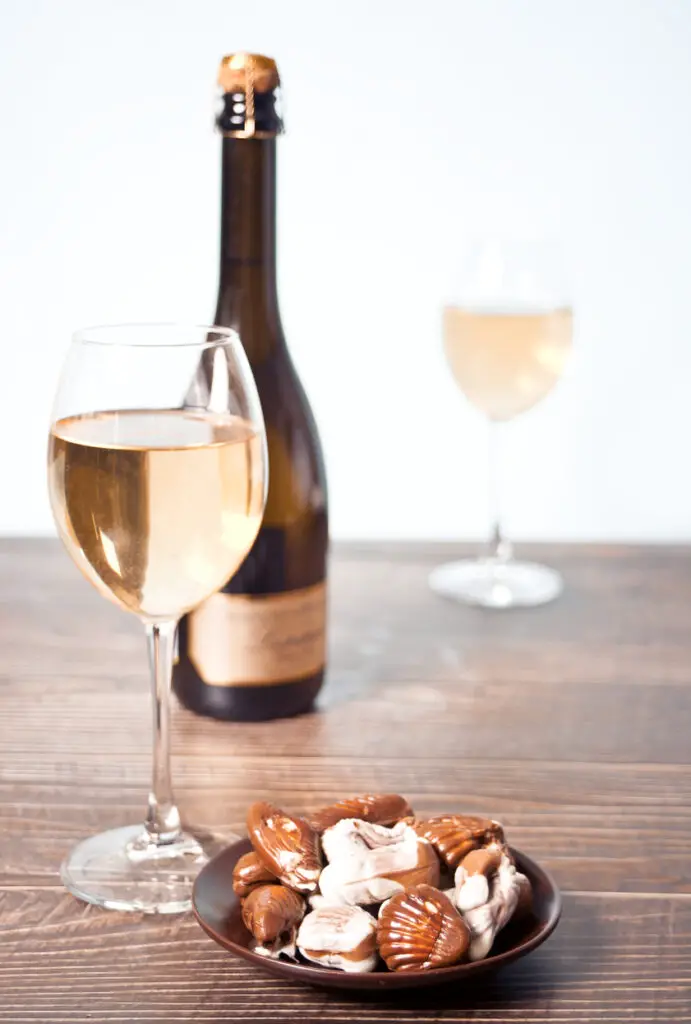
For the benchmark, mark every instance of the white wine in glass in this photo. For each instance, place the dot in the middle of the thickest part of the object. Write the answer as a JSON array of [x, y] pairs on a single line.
[[158, 507], [506, 360], [507, 338], [157, 500]]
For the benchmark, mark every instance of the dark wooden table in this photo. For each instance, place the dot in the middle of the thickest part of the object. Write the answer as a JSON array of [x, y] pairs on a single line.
[[571, 723]]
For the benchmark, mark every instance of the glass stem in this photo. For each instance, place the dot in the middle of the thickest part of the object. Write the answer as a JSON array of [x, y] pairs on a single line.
[[162, 819], [500, 547]]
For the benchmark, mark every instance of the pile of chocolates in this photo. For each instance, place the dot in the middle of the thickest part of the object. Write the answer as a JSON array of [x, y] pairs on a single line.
[[365, 881]]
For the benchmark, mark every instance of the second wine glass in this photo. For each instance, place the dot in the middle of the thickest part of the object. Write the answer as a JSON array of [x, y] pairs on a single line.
[[507, 332]]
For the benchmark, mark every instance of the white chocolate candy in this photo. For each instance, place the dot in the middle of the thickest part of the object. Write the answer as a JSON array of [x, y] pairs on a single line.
[[370, 863], [473, 875], [486, 919], [352, 835], [472, 893], [341, 937]]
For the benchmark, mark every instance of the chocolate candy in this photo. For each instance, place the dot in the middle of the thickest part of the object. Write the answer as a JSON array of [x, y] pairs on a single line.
[[502, 888], [376, 852], [272, 912], [369, 863], [340, 937], [455, 835], [286, 845], [249, 872], [474, 876], [420, 929], [382, 809]]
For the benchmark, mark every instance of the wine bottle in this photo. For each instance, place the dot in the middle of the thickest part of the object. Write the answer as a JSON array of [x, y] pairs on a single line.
[[257, 649]]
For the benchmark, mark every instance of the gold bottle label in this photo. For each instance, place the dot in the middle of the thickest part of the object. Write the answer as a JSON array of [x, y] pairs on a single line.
[[238, 640]]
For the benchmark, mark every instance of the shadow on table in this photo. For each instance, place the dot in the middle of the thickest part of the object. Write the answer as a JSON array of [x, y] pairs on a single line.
[[513, 987], [536, 981]]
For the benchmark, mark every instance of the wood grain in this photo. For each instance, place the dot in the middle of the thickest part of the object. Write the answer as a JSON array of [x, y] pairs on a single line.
[[623, 958], [571, 723], [592, 826]]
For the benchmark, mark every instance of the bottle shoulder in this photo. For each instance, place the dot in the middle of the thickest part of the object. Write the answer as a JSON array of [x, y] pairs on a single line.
[[280, 387], [296, 461]]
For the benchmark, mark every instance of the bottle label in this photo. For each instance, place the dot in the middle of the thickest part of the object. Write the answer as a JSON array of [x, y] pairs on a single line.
[[242, 640]]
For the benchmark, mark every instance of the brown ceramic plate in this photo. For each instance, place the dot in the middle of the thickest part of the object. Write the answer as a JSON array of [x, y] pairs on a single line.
[[218, 911]]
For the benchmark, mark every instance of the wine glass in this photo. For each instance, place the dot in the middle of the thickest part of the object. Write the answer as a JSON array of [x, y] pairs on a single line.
[[507, 336], [157, 498]]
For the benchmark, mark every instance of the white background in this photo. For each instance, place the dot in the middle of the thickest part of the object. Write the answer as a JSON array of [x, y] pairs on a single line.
[[409, 125]]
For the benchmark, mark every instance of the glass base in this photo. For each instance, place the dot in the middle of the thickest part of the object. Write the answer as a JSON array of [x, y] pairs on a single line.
[[493, 584], [123, 870]]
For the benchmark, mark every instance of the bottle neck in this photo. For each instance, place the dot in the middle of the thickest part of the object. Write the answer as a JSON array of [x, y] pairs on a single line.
[[247, 294]]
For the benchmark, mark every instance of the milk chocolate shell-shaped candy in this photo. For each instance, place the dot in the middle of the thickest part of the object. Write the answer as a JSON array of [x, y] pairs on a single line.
[[453, 836], [286, 845], [420, 929], [272, 911], [381, 808], [340, 937], [248, 873]]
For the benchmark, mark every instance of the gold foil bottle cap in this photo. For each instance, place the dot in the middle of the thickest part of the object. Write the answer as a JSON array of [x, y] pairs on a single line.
[[248, 72]]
